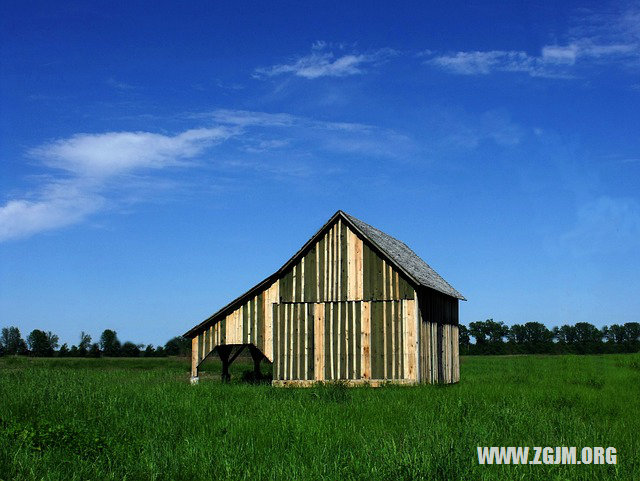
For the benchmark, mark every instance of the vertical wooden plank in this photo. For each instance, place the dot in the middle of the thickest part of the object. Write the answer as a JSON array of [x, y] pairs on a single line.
[[388, 351], [310, 309], [377, 341], [194, 356], [317, 287], [344, 272], [283, 344], [330, 265], [357, 307], [405, 339], [338, 259], [366, 339], [351, 265], [386, 324], [332, 340], [409, 312], [302, 279], [291, 339], [354, 335], [343, 340], [336, 267], [318, 335], [305, 338], [338, 338], [327, 340], [348, 341], [285, 336], [295, 344], [456, 354], [260, 320], [269, 341], [276, 341], [245, 324], [366, 272], [395, 361], [322, 271], [384, 280], [296, 283], [311, 277], [358, 268]]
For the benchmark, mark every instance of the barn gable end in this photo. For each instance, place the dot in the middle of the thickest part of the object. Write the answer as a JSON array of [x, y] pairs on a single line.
[[340, 308]]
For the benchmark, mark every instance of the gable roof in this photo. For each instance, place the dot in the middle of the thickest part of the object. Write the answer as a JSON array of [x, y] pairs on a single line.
[[395, 251]]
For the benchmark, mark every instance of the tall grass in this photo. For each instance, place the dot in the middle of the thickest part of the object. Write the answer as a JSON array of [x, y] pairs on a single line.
[[140, 419]]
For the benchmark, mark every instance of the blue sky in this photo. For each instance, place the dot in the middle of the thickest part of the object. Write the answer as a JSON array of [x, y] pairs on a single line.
[[158, 159]]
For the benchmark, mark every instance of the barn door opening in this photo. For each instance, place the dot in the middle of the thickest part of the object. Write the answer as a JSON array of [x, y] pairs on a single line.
[[229, 353]]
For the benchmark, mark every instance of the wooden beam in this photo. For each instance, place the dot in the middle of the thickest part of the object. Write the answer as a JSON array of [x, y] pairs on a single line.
[[194, 357]]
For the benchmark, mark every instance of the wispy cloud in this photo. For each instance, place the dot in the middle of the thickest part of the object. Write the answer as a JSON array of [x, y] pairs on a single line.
[[323, 62], [85, 164], [604, 225], [119, 85], [595, 40]]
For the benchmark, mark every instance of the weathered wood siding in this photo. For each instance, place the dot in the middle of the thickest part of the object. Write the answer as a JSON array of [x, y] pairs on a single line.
[[342, 267], [345, 340], [342, 312], [439, 351], [250, 323]]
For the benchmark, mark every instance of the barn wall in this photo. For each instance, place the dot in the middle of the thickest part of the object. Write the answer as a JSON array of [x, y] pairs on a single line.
[[341, 267], [439, 352], [345, 340]]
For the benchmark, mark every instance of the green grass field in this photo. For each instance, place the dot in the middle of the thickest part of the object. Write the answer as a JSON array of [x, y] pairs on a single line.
[[140, 419]]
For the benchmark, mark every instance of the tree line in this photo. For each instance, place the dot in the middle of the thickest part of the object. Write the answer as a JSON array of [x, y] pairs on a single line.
[[491, 337], [46, 344]]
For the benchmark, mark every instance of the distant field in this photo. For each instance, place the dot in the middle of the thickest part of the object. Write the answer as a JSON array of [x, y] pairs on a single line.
[[140, 419]]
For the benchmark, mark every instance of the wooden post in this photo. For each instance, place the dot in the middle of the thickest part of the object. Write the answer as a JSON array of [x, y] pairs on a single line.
[[224, 352], [257, 356], [194, 360]]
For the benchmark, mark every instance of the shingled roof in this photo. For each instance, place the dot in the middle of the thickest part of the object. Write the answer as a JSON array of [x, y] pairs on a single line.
[[401, 255]]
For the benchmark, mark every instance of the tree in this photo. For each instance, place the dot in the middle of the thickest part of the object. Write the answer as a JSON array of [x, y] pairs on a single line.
[[42, 344], [588, 338], [12, 342], [129, 349], [632, 337], [84, 344], [109, 343], [64, 350], [536, 338], [177, 346], [463, 339], [489, 336], [73, 352], [566, 336], [94, 350], [149, 351], [160, 352]]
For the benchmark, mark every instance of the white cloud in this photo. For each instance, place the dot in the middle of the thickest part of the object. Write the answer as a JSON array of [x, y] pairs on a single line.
[[322, 63], [88, 163], [112, 153], [597, 40]]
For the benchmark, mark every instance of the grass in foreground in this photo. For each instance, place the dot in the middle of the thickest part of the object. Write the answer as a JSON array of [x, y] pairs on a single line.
[[140, 419]]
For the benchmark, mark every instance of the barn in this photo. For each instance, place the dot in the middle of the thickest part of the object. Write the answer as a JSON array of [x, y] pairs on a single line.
[[353, 304]]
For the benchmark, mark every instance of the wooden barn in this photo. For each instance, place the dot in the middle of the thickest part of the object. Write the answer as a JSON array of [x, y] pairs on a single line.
[[352, 304]]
